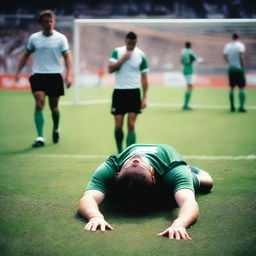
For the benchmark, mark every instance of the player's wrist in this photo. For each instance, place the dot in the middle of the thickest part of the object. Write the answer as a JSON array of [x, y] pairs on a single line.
[[96, 217]]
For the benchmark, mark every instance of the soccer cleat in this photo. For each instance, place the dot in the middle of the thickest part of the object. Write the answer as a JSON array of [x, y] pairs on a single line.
[[55, 136], [187, 108], [242, 110], [38, 144], [232, 109]]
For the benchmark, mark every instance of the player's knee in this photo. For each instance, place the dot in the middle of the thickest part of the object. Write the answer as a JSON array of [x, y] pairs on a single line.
[[206, 185], [39, 106]]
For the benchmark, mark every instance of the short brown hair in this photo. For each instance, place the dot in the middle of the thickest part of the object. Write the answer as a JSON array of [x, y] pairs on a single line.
[[46, 13]]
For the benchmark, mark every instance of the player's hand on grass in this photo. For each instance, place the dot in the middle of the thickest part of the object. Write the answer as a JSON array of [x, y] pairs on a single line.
[[176, 232], [97, 222]]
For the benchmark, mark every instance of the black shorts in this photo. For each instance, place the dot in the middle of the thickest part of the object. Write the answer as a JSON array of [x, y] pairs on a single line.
[[126, 101], [51, 84], [236, 78]]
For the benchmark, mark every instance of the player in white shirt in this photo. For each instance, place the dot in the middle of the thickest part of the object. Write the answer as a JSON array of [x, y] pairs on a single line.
[[233, 55], [130, 66], [48, 47]]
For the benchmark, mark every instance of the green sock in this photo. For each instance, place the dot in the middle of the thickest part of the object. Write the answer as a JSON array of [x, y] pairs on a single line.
[[131, 138], [119, 135], [242, 98], [56, 120], [231, 99], [39, 121], [187, 98]]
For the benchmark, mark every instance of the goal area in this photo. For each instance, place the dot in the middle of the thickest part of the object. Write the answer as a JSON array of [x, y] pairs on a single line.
[[162, 41]]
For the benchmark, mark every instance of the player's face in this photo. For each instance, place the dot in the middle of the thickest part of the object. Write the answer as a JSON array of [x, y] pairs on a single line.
[[138, 164], [48, 24], [130, 44]]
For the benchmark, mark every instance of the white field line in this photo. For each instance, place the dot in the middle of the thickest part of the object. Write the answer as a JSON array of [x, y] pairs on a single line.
[[249, 157], [171, 105]]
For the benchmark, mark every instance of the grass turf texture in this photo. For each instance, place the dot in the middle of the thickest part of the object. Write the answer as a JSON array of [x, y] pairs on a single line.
[[39, 191]]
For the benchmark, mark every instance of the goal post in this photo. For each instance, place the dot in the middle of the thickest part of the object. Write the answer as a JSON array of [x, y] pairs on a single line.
[[162, 41]]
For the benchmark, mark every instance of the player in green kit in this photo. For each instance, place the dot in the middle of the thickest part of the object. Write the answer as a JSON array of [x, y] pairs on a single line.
[[136, 175], [188, 57], [131, 67]]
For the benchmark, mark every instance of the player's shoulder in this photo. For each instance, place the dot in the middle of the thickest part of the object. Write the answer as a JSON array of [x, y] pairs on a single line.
[[120, 48], [36, 35], [139, 51], [240, 44], [58, 34]]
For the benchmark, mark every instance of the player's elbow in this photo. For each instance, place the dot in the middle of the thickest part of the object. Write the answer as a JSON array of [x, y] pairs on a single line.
[[81, 205]]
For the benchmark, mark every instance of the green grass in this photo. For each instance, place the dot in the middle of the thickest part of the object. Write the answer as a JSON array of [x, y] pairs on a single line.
[[40, 189]]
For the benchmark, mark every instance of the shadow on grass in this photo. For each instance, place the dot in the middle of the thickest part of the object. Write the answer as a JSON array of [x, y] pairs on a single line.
[[26, 150], [157, 208], [114, 210], [17, 152]]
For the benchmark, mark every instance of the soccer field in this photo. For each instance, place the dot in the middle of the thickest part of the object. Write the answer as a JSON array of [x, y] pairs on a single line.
[[40, 188]]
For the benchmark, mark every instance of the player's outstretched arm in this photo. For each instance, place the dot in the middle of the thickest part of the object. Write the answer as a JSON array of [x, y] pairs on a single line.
[[88, 208], [188, 213]]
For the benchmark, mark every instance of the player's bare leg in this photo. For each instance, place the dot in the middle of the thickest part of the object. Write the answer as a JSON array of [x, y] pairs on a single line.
[[131, 136], [119, 134]]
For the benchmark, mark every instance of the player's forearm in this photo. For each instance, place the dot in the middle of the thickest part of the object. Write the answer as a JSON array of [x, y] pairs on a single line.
[[22, 63], [68, 63], [112, 67], [188, 214], [88, 207], [144, 82], [225, 58]]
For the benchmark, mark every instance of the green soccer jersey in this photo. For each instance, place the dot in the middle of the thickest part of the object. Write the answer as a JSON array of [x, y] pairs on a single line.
[[171, 170], [187, 59]]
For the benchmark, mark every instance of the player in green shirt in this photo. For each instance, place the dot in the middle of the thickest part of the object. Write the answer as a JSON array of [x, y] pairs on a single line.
[[187, 59], [136, 174]]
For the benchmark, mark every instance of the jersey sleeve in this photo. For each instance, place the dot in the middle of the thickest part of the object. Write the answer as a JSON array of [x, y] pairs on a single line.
[[114, 56], [102, 178], [242, 48], [225, 50], [180, 178], [64, 45], [30, 45], [144, 65]]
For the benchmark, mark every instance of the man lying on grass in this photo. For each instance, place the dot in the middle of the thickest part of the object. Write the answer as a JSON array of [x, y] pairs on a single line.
[[138, 177]]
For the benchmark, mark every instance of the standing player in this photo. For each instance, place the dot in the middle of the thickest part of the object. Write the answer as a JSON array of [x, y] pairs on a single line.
[[131, 67], [233, 55], [187, 59], [48, 46]]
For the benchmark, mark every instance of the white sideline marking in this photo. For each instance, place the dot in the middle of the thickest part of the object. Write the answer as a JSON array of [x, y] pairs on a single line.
[[249, 157], [171, 105]]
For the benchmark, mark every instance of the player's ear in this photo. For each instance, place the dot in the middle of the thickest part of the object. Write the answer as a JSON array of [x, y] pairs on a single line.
[[152, 171]]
